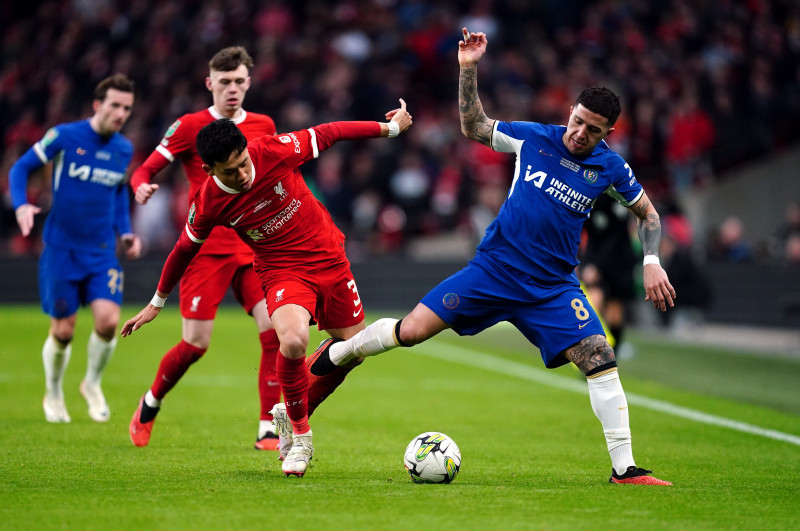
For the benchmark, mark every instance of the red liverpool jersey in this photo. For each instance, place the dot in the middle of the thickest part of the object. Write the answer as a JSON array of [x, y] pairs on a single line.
[[179, 143], [277, 216]]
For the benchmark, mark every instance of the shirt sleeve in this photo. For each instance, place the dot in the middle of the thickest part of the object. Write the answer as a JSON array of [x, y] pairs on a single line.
[[505, 139], [149, 168], [625, 188], [18, 176], [177, 262], [178, 139], [122, 211]]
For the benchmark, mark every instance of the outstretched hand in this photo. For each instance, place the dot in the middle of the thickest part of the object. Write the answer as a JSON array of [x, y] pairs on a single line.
[[471, 48], [25, 215], [401, 116], [147, 314], [658, 288]]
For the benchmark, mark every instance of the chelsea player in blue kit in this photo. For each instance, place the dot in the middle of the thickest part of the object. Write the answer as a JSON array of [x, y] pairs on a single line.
[[523, 270], [79, 265]]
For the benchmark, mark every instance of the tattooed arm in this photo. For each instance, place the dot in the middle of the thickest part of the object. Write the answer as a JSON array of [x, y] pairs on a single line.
[[656, 283], [474, 122]]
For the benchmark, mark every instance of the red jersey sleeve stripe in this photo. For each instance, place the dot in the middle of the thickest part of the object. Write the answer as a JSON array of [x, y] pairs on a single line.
[[164, 151], [192, 237], [314, 145]]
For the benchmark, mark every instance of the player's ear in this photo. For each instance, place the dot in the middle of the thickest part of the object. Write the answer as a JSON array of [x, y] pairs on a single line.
[[96, 104], [208, 83], [208, 169], [610, 130]]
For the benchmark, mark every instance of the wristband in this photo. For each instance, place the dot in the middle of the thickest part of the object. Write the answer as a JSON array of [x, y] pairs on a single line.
[[157, 301], [394, 129], [651, 259]]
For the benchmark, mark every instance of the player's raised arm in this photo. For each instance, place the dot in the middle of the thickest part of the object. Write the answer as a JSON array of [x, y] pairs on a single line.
[[474, 122], [656, 283], [328, 134]]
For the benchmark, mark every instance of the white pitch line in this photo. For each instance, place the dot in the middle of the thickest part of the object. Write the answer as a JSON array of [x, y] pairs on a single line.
[[474, 358]]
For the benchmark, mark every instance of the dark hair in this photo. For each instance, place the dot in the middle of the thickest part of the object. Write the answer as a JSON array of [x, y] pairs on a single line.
[[119, 82], [230, 58], [217, 140], [602, 101]]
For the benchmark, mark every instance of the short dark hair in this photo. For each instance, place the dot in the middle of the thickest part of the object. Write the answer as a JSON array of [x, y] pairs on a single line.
[[119, 82], [601, 100], [230, 58], [217, 140]]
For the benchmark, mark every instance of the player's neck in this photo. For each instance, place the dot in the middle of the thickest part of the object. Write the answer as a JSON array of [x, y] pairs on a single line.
[[94, 123], [229, 115]]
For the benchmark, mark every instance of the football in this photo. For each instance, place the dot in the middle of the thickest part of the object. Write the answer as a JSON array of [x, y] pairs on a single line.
[[432, 457]]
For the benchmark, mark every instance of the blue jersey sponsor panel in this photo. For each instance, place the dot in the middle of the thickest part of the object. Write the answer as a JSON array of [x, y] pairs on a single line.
[[486, 292], [69, 278], [539, 225]]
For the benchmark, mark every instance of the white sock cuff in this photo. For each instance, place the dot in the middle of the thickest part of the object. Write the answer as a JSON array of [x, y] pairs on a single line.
[[150, 400], [603, 377], [95, 339], [376, 338]]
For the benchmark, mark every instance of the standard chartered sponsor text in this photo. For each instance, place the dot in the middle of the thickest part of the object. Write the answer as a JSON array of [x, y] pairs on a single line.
[[282, 217]]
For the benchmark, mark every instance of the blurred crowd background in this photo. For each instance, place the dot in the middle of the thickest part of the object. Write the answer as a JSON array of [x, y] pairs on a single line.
[[706, 87]]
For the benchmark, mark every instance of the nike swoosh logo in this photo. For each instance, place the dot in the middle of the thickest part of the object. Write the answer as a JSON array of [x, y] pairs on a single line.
[[355, 314], [235, 221], [584, 324]]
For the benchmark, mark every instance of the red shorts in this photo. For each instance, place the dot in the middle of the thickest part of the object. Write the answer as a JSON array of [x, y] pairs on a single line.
[[206, 280], [330, 295]]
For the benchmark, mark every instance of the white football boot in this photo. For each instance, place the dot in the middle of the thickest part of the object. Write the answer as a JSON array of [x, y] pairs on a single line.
[[299, 455], [98, 408], [55, 410], [284, 428]]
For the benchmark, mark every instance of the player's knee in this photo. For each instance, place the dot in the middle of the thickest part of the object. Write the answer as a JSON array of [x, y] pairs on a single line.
[[294, 343], [62, 339], [410, 333], [62, 332], [106, 331]]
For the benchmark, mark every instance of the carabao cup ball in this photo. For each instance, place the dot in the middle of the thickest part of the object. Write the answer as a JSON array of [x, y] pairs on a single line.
[[432, 457]]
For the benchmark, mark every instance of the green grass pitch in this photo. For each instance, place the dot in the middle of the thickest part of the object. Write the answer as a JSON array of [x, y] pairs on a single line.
[[534, 456]]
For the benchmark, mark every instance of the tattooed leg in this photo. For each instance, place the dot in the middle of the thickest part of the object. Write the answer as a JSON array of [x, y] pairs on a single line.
[[591, 353], [595, 358]]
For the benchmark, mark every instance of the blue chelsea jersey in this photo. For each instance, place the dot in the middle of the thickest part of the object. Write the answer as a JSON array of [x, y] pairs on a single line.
[[538, 229], [90, 199]]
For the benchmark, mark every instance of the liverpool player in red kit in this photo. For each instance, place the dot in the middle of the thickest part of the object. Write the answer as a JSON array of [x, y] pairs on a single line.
[[257, 190], [224, 261]]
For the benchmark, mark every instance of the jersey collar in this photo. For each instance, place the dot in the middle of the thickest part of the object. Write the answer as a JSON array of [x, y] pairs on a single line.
[[215, 113], [230, 190]]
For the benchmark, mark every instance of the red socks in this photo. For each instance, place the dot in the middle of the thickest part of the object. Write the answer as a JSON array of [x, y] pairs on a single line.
[[173, 366], [268, 389], [293, 377]]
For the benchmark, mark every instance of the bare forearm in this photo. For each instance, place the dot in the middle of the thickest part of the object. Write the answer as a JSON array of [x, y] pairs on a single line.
[[474, 122]]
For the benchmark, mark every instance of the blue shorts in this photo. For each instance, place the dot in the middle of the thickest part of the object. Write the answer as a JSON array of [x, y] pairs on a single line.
[[484, 293], [69, 278]]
